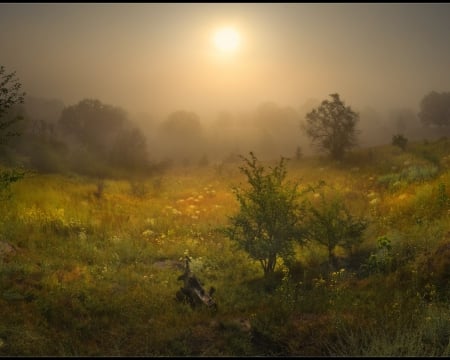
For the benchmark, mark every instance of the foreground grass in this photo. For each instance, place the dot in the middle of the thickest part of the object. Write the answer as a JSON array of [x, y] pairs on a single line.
[[94, 273]]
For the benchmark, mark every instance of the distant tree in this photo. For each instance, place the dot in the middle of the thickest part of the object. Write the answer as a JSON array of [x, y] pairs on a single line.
[[331, 224], [181, 136], [92, 124], [435, 109], [182, 124], [129, 150], [332, 127], [102, 138], [10, 96], [267, 223], [400, 141]]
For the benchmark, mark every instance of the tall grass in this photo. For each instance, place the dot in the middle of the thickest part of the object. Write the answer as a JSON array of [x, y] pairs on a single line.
[[95, 274]]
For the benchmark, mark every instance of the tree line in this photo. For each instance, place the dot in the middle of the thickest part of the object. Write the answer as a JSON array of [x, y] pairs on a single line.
[[97, 139]]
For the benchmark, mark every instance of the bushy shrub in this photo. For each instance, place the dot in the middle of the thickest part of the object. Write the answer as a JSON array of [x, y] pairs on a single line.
[[400, 141], [381, 260], [331, 224]]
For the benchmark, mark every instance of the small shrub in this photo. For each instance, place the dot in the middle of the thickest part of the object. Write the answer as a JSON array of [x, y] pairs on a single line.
[[381, 261], [400, 141], [331, 224]]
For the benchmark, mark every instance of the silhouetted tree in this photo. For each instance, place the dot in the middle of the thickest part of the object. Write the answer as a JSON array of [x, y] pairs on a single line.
[[332, 127], [435, 109], [104, 138], [92, 124]]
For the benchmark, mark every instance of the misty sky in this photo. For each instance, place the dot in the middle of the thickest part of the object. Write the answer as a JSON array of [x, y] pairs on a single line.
[[157, 58]]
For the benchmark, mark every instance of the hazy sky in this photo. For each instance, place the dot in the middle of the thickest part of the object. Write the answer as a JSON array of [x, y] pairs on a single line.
[[159, 58]]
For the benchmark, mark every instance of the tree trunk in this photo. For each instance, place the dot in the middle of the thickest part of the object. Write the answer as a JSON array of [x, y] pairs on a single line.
[[331, 259], [270, 265]]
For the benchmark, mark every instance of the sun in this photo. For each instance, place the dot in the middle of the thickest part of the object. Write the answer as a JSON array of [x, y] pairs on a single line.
[[227, 40]]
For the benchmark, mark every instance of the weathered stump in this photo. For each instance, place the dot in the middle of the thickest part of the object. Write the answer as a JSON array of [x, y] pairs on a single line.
[[193, 291]]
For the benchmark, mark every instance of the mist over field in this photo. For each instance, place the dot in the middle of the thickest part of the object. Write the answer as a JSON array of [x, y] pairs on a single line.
[[153, 60], [224, 179]]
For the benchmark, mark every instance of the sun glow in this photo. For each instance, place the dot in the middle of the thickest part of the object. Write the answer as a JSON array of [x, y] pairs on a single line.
[[227, 40]]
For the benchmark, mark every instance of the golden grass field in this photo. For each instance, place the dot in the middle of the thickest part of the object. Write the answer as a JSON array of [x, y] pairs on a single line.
[[93, 274]]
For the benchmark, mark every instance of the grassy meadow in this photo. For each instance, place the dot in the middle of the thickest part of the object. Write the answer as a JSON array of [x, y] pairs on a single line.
[[89, 267]]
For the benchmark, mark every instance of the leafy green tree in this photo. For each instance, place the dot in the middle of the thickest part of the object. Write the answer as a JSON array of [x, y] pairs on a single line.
[[400, 141], [331, 224], [267, 223], [332, 127], [10, 96]]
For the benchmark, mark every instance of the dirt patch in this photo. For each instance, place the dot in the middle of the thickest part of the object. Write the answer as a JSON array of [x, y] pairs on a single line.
[[169, 264]]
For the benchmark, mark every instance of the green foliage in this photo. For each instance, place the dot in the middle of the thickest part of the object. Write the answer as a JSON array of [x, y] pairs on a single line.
[[382, 260], [7, 178], [10, 96], [332, 127], [400, 141], [268, 220], [411, 174], [331, 224]]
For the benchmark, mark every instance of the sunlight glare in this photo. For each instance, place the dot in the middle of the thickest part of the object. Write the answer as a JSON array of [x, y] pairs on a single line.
[[226, 40]]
